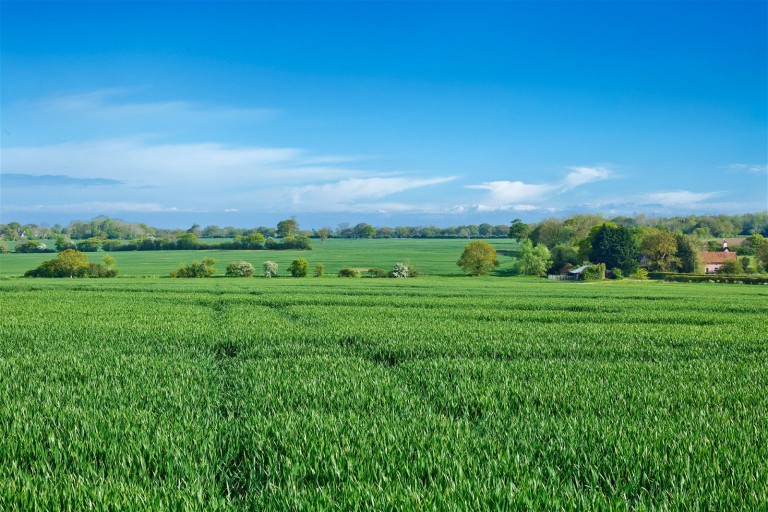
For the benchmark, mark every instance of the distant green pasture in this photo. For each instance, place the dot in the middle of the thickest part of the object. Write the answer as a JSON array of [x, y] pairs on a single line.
[[430, 256]]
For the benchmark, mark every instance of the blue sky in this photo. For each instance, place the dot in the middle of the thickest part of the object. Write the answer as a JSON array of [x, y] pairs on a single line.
[[244, 113]]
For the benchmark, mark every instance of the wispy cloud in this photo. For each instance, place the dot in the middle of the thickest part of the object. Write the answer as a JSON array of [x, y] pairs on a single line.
[[677, 199], [144, 161], [759, 169], [665, 202], [344, 194], [520, 196], [511, 208], [115, 104], [51, 180], [93, 207], [209, 175], [583, 175]]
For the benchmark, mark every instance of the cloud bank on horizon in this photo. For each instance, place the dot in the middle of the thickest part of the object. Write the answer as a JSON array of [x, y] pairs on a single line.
[[454, 138]]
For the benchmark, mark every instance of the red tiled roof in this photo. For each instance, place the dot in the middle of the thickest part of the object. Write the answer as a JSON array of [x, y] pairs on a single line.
[[717, 257]]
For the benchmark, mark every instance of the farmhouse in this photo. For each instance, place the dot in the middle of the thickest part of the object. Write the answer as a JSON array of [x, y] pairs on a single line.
[[713, 260]]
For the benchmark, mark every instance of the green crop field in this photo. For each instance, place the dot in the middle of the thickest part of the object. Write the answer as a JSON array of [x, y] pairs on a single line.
[[431, 256], [382, 394]]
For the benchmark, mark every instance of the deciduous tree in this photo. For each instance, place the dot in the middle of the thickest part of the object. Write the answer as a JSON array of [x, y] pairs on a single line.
[[688, 254], [485, 230], [187, 241], [563, 255], [731, 267], [88, 245], [761, 253], [532, 261], [72, 262], [287, 227], [660, 249], [63, 243], [745, 264], [240, 269], [270, 269], [478, 258], [109, 261], [551, 232], [29, 246], [195, 230], [252, 241], [364, 230], [299, 267], [519, 230], [196, 269], [323, 233]]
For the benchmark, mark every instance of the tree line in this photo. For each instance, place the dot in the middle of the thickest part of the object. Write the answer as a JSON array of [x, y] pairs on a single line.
[[185, 242], [104, 228], [548, 230]]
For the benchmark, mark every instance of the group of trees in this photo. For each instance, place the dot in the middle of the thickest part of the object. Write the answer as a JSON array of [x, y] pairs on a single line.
[[31, 246], [298, 268], [756, 245], [622, 250], [399, 271], [103, 231], [554, 244], [72, 263], [196, 269], [479, 258], [552, 231]]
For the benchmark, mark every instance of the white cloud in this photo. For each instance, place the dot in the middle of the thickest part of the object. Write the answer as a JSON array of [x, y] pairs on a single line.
[[520, 196], [344, 194], [506, 192]]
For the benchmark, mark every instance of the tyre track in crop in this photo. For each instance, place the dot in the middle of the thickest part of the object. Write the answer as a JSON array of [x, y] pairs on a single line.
[[396, 363], [230, 455]]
